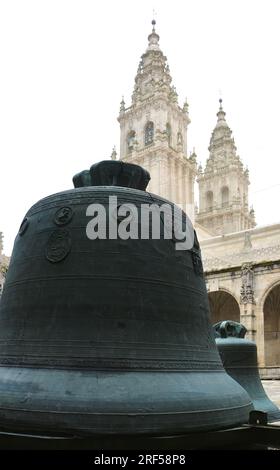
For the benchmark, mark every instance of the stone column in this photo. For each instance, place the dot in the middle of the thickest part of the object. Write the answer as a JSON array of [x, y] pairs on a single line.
[[177, 188], [247, 318], [173, 179], [184, 188], [247, 302], [159, 175], [260, 334], [191, 197], [180, 185], [147, 166], [164, 178]]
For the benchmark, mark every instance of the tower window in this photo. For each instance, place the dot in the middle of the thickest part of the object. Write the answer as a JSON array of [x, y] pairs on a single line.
[[225, 196], [149, 133], [131, 140], [168, 133]]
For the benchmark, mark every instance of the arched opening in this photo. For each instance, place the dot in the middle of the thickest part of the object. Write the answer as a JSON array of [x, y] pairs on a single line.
[[271, 314], [168, 133], [223, 306], [131, 140], [209, 200], [225, 196], [149, 133]]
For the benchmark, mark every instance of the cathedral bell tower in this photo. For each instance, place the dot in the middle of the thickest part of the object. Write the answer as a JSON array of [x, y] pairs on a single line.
[[223, 185], [153, 130]]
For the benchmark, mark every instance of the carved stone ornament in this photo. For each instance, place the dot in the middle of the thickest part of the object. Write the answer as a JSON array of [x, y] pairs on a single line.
[[247, 286]]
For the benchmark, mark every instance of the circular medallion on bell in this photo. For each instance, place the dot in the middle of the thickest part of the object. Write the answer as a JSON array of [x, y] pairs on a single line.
[[58, 246], [63, 216]]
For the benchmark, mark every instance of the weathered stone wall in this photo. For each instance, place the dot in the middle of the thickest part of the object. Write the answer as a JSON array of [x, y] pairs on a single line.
[[246, 265]]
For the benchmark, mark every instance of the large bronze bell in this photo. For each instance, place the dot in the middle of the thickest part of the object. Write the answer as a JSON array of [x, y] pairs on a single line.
[[239, 357], [108, 336]]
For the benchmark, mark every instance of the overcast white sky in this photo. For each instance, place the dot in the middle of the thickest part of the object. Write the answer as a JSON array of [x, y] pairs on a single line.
[[64, 65]]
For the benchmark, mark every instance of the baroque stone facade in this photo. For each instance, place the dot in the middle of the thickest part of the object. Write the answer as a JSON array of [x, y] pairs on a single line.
[[223, 185], [241, 263], [153, 130]]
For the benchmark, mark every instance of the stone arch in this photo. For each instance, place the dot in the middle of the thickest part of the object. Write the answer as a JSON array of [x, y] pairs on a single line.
[[209, 200], [271, 321], [223, 306], [225, 196], [267, 290], [149, 133]]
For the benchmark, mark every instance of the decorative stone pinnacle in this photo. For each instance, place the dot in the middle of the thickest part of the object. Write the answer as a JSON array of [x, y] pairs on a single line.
[[114, 153], [221, 113], [173, 94], [186, 106], [153, 39], [140, 66], [122, 108], [193, 156]]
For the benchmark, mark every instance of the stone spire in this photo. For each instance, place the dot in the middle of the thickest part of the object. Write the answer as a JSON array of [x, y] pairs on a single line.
[[223, 186], [222, 146], [122, 105], [153, 74], [153, 39], [221, 116], [153, 129]]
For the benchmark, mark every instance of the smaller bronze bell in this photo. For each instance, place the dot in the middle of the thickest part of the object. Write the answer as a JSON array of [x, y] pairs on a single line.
[[239, 357]]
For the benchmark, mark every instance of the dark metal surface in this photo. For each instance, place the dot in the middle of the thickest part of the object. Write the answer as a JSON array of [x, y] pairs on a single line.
[[244, 437], [113, 173], [239, 357], [108, 336]]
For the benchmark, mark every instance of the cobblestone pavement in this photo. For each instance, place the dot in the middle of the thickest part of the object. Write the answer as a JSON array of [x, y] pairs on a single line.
[[272, 388]]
